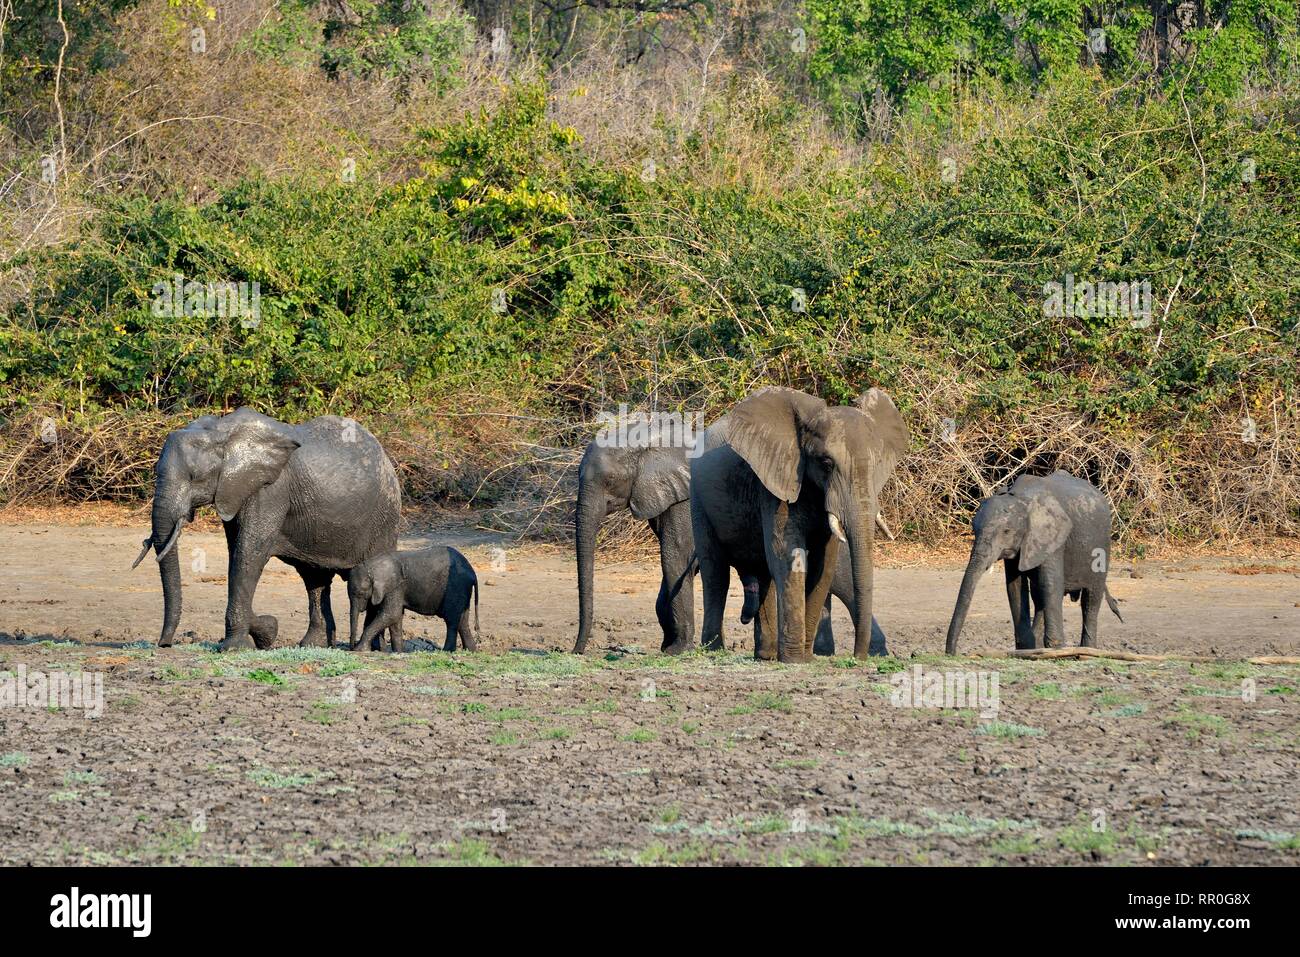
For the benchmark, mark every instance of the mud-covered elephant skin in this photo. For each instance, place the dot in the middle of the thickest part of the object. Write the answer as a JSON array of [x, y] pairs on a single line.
[[321, 496], [436, 581], [779, 483], [1053, 536], [652, 481]]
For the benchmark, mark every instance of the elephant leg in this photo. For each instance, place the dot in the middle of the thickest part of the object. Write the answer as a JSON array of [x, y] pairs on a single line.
[[1091, 604], [395, 643], [765, 628], [242, 623], [1052, 582], [367, 631], [842, 588], [676, 605], [244, 628], [1018, 598], [715, 579], [320, 618], [824, 643], [817, 603], [468, 640], [787, 559]]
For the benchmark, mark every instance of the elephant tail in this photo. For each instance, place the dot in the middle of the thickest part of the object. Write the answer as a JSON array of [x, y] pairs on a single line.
[[1114, 605], [476, 608]]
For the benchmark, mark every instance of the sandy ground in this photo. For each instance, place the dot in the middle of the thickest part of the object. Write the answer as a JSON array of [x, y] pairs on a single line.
[[522, 753]]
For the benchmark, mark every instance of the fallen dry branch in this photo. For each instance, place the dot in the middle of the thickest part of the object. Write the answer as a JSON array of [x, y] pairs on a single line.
[[1048, 654]]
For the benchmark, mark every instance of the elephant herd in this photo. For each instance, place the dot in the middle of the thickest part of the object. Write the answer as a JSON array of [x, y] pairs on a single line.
[[772, 489]]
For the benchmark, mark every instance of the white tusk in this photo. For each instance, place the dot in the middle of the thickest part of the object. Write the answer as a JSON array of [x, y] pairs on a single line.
[[176, 533], [144, 551], [836, 530], [880, 521]]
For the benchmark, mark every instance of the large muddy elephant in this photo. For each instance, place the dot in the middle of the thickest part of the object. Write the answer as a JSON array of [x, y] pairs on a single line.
[[778, 484], [321, 496], [654, 482]]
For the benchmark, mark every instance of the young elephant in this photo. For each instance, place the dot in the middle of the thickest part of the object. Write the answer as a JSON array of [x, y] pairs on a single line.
[[1053, 536], [430, 581]]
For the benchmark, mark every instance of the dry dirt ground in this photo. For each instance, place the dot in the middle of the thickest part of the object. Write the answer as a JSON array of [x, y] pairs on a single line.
[[522, 753]]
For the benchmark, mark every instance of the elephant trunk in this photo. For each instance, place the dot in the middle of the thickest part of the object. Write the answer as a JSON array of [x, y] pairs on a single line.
[[978, 564], [356, 605], [861, 533], [168, 517], [590, 513]]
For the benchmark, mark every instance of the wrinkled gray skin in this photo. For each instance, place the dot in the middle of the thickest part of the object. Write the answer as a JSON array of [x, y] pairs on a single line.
[[779, 480], [430, 581], [321, 496], [1053, 536], [654, 483]]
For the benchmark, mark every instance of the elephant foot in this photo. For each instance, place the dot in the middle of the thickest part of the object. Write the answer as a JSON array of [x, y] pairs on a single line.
[[681, 647], [243, 643], [824, 647], [795, 657], [315, 638], [264, 629]]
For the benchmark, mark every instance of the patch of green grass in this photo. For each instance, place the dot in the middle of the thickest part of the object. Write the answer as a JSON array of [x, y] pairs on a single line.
[[14, 759], [325, 712], [771, 701], [410, 721], [671, 814], [432, 690], [556, 734], [845, 661], [1083, 838], [1015, 845], [1198, 723], [1284, 840], [889, 666], [270, 778], [504, 738], [471, 852], [1112, 699], [1280, 689], [508, 714], [690, 727], [1047, 691], [265, 676], [473, 707], [640, 736], [1126, 711], [1200, 691], [172, 673], [1008, 729], [87, 778]]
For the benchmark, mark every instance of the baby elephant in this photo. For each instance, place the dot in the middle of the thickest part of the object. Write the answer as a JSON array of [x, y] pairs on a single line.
[[1053, 536], [430, 581]]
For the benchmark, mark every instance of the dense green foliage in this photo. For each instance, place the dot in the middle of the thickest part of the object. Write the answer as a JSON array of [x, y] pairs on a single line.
[[509, 262]]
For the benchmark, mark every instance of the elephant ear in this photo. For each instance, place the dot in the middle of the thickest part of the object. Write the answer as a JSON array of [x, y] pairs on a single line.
[[764, 431], [378, 585], [886, 434], [1048, 528], [256, 451], [662, 481]]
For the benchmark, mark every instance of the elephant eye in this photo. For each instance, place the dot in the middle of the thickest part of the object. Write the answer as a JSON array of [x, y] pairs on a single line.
[[828, 463]]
